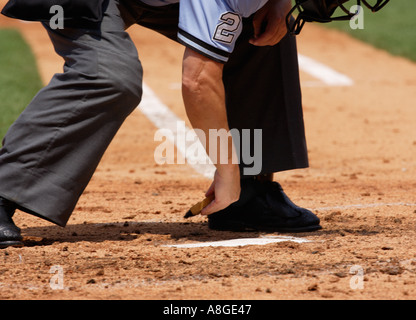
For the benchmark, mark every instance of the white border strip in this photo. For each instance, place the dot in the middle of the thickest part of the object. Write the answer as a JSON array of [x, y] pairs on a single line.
[[241, 242], [324, 73]]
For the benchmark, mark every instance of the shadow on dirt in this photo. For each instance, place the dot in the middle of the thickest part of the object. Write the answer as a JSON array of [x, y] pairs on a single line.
[[172, 232]]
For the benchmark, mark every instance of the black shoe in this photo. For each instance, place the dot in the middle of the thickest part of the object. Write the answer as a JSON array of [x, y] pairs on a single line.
[[270, 210], [9, 233]]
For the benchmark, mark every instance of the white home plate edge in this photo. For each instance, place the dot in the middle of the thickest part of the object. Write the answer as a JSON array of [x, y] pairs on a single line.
[[240, 242]]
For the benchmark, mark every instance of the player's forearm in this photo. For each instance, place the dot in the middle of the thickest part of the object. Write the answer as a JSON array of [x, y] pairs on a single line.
[[204, 98]]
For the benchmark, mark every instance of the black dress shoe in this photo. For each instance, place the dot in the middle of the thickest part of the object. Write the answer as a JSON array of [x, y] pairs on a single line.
[[270, 210], [9, 233]]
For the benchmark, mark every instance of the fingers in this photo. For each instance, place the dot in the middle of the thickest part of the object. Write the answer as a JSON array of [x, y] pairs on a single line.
[[210, 190], [274, 32], [209, 209], [220, 203], [257, 25], [225, 189], [270, 23], [214, 206]]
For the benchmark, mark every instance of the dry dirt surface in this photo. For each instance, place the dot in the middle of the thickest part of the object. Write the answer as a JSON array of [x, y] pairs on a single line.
[[361, 183]]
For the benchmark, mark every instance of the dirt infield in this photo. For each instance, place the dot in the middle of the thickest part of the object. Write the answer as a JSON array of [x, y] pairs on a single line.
[[361, 182]]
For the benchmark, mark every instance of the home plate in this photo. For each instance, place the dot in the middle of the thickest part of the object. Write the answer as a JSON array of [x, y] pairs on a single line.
[[241, 242]]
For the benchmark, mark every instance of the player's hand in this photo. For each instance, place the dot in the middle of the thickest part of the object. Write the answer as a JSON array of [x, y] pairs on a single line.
[[270, 23], [226, 188]]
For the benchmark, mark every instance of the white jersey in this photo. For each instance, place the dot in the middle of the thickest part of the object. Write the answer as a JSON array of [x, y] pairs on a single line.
[[211, 27]]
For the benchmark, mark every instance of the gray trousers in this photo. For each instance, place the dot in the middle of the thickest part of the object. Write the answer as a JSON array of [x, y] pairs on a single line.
[[52, 150]]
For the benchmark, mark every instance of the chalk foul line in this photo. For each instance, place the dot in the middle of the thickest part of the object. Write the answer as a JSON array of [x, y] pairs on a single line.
[[163, 118], [322, 72]]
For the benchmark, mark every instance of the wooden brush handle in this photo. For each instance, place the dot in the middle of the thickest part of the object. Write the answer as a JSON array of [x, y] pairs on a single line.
[[197, 208]]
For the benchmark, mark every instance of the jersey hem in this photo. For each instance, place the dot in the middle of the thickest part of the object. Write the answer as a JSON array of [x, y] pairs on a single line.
[[205, 49]]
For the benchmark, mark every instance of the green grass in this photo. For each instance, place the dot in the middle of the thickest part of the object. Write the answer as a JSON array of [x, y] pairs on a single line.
[[393, 28], [19, 77]]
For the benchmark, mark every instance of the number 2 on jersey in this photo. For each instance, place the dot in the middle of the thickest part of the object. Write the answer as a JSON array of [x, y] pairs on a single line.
[[225, 30]]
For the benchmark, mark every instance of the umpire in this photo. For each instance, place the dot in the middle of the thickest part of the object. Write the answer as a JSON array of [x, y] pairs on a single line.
[[240, 71]]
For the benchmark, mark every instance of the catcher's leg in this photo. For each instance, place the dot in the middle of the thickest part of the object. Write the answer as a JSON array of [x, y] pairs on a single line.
[[51, 151]]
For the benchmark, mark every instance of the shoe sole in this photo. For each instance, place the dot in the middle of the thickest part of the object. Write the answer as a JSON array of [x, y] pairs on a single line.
[[7, 244], [237, 226]]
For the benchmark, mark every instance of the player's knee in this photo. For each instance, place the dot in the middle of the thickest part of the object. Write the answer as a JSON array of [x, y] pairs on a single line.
[[124, 78]]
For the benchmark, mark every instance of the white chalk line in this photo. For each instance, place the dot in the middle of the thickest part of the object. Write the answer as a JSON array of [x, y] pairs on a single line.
[[163, 118], [322, 72]]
